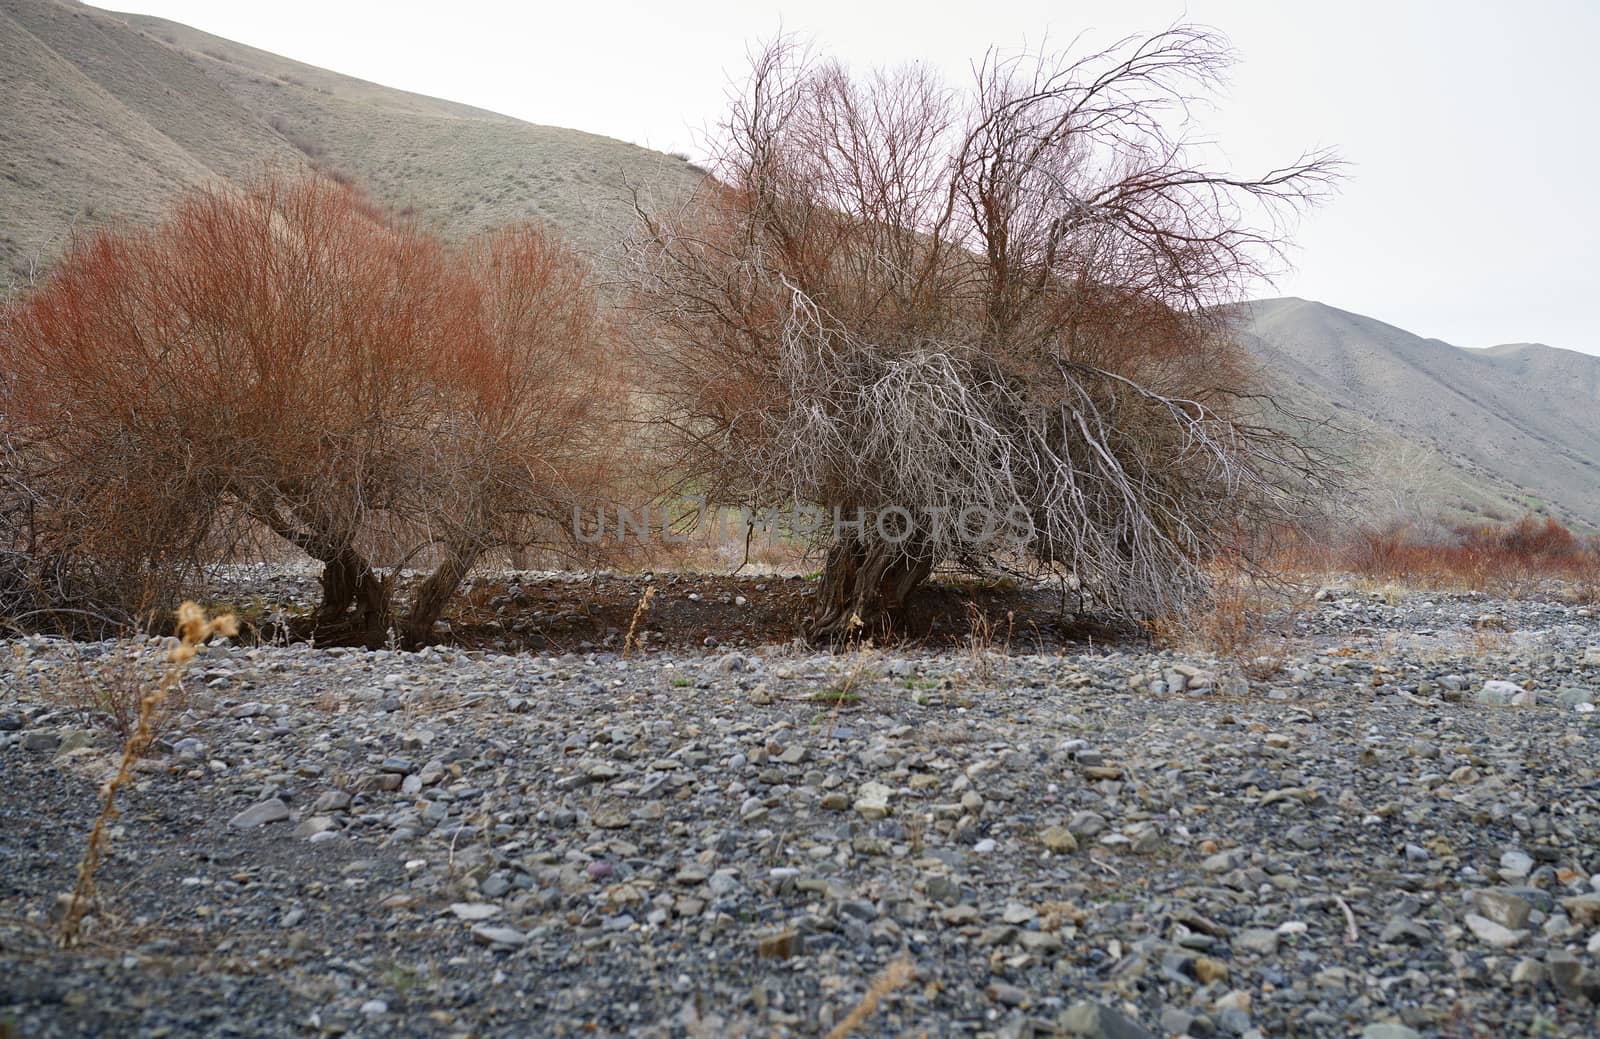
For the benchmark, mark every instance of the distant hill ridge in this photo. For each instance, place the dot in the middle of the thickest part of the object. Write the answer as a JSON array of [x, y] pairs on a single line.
[[1506, 429]]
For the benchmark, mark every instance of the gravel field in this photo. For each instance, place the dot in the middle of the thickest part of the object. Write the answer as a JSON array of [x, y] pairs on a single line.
[[1395, 834]]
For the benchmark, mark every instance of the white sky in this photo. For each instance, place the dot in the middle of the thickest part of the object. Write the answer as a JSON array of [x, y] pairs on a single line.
[[1471, 213]]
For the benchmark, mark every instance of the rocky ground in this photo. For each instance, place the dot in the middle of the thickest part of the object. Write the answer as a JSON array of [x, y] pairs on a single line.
[[1391, 831]]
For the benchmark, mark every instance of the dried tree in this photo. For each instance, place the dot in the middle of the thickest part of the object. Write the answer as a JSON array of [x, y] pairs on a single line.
[[287, 357], [898, 298]]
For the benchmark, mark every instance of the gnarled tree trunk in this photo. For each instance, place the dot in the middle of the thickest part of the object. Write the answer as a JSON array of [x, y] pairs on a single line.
[[356, 600], [865, 585], [431, 596]]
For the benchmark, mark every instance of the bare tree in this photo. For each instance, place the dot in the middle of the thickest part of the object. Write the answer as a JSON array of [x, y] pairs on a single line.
[[899, 298]]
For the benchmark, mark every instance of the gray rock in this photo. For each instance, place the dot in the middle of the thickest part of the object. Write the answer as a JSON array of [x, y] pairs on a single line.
[[1492, 933], [271, 810], [486, 934], [1497, 693], [1389, 1030], [474, 912], [1403, 929], [1528, 971], [1564, 969], [1503, 907], [1094, 1021], [40, 742], [312, 825], [1260, 941], [1516, 864], [872, 801]]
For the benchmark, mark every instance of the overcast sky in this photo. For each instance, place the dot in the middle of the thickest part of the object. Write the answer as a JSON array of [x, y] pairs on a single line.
[[1471, 213]]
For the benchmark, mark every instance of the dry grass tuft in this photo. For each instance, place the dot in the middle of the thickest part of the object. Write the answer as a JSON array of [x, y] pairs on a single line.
[[1249, 621], [986, 650], [193, 630]]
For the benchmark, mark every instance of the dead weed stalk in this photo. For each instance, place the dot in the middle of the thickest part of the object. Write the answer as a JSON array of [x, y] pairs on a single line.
[[193, 630], [893, 977], [638, 612]]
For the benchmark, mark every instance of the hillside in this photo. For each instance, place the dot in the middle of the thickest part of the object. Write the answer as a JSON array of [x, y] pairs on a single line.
[[106, 116], [1491, 432]]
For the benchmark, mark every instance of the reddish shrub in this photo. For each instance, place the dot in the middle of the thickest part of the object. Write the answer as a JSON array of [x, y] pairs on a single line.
[[289, 357], [1499, 557]]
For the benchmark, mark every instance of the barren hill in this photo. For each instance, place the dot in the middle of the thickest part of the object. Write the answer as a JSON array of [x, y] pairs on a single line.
[[106, 115], [1496, 431]]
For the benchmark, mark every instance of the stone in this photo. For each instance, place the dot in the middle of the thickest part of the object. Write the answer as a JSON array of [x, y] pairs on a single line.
[[1496, 693], [271, 810], [40, 742], [1503, 907], [1006, 995], [313, 825], [1095, 1021], [1059, 839], [74, 739], [1584, 909], [1516, 864], [872, 801], [1403, 929], [1087, 824], [1389, 1030], [486, 934], [1488, 931], [1257, 940], [331, 801], [473, 912], [781, 946], [1564, 969], [1528, 971]]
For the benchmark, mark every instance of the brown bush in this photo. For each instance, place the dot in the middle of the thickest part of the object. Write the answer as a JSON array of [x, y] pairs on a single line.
[[1504, 558], [289, 358], [895, 296]]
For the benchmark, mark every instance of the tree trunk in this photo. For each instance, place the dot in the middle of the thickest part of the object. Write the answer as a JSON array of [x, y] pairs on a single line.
[[355, 600], [430, 598], [865, 585], [355, 603]]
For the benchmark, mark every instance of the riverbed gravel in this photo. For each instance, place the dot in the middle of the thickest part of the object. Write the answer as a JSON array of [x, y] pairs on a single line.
[[1388, 827]]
